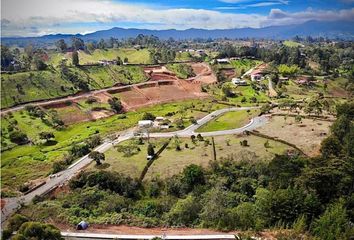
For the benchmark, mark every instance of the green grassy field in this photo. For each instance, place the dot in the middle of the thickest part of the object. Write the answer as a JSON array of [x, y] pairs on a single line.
[[18, 163], [35, 85], [229, 120], [133, 55], [244, 65], [292, 44], [182, 71], [171, 161], [241, 92]]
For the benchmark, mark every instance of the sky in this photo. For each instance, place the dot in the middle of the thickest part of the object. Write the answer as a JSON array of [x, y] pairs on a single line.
[[41, 17]]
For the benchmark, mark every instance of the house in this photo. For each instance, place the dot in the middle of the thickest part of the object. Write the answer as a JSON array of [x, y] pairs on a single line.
[[239, 82], [145, 123], [256, 77], [200, 51], [222, 61]]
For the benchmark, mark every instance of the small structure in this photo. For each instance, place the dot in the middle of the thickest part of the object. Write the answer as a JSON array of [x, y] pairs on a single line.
[[145, 123], [303, 81], [82, 225], [256, 77], [159, 119], [149, 157], [107, 62], [239, 82], [222, 61]]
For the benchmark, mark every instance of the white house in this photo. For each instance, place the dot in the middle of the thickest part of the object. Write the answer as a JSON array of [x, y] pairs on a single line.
[[238, 81], [222, 60], [145, 123]]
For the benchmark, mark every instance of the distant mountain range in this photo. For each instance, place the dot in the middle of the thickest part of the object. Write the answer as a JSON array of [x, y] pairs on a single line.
[[332, 30]]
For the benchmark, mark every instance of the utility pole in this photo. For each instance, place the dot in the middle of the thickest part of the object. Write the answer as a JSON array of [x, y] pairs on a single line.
[[214, 150]]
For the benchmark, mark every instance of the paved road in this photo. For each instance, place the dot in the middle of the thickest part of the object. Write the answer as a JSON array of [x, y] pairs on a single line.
[[82, 235], [12, 204]]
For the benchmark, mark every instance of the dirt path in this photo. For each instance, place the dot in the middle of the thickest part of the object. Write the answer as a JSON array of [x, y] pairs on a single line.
[[132, 230]]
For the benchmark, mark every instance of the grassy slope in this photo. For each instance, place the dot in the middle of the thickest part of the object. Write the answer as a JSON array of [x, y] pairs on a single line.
[[172, 162], [229, 120], [292, 44], [39, 85], [133, 55], [36, 85], [181, 70], [18, 163]]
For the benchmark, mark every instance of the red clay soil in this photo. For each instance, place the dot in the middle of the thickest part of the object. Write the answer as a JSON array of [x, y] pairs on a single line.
[[229, 73], [124, 229], [162, 76], [2, 203]]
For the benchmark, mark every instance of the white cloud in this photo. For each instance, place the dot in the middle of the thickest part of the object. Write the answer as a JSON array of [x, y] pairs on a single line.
[[279, 17], [45, 15], [38, 17]]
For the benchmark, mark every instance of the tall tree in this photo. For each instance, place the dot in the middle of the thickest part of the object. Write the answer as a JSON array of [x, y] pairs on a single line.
[[75, 58], [61, 45]]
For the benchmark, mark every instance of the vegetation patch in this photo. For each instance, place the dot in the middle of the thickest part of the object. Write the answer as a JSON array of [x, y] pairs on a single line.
[[229, 120]]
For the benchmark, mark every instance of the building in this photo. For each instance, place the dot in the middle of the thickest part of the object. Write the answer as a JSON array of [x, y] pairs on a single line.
[[256, 77], [145, 123], [222, 61], [239, 82]]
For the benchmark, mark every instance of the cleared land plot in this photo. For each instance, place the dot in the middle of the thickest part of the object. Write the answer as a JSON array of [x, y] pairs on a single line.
[[306, 135], [133, 55], [229, 120], [72, 114], [171, 162]]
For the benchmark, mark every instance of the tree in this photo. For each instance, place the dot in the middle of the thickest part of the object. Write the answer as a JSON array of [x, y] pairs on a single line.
[[61, 45], [97, 156], [193, 175], [115, 104], [226, 89], [266, 108], [184, 212], [125, 60], [330, 146], [46, 135], [77, 43], [38, 231], [39, 63], [148, 116], [75, 58], [101, 44], [18, 137], [150, 150], [341, 127], [332, 224]]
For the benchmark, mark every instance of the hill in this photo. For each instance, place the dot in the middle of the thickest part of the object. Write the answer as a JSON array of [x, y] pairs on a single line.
[[332, 30]]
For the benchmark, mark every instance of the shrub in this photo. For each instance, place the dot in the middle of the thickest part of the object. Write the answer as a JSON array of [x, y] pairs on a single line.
[[148, 116], [18, 137]]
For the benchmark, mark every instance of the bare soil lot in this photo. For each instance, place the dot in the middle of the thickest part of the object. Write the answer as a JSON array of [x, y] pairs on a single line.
[[307, 135], [72, 114]]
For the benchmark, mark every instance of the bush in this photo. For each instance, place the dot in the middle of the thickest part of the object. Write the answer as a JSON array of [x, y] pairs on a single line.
[[148, 116], [18, 137]]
